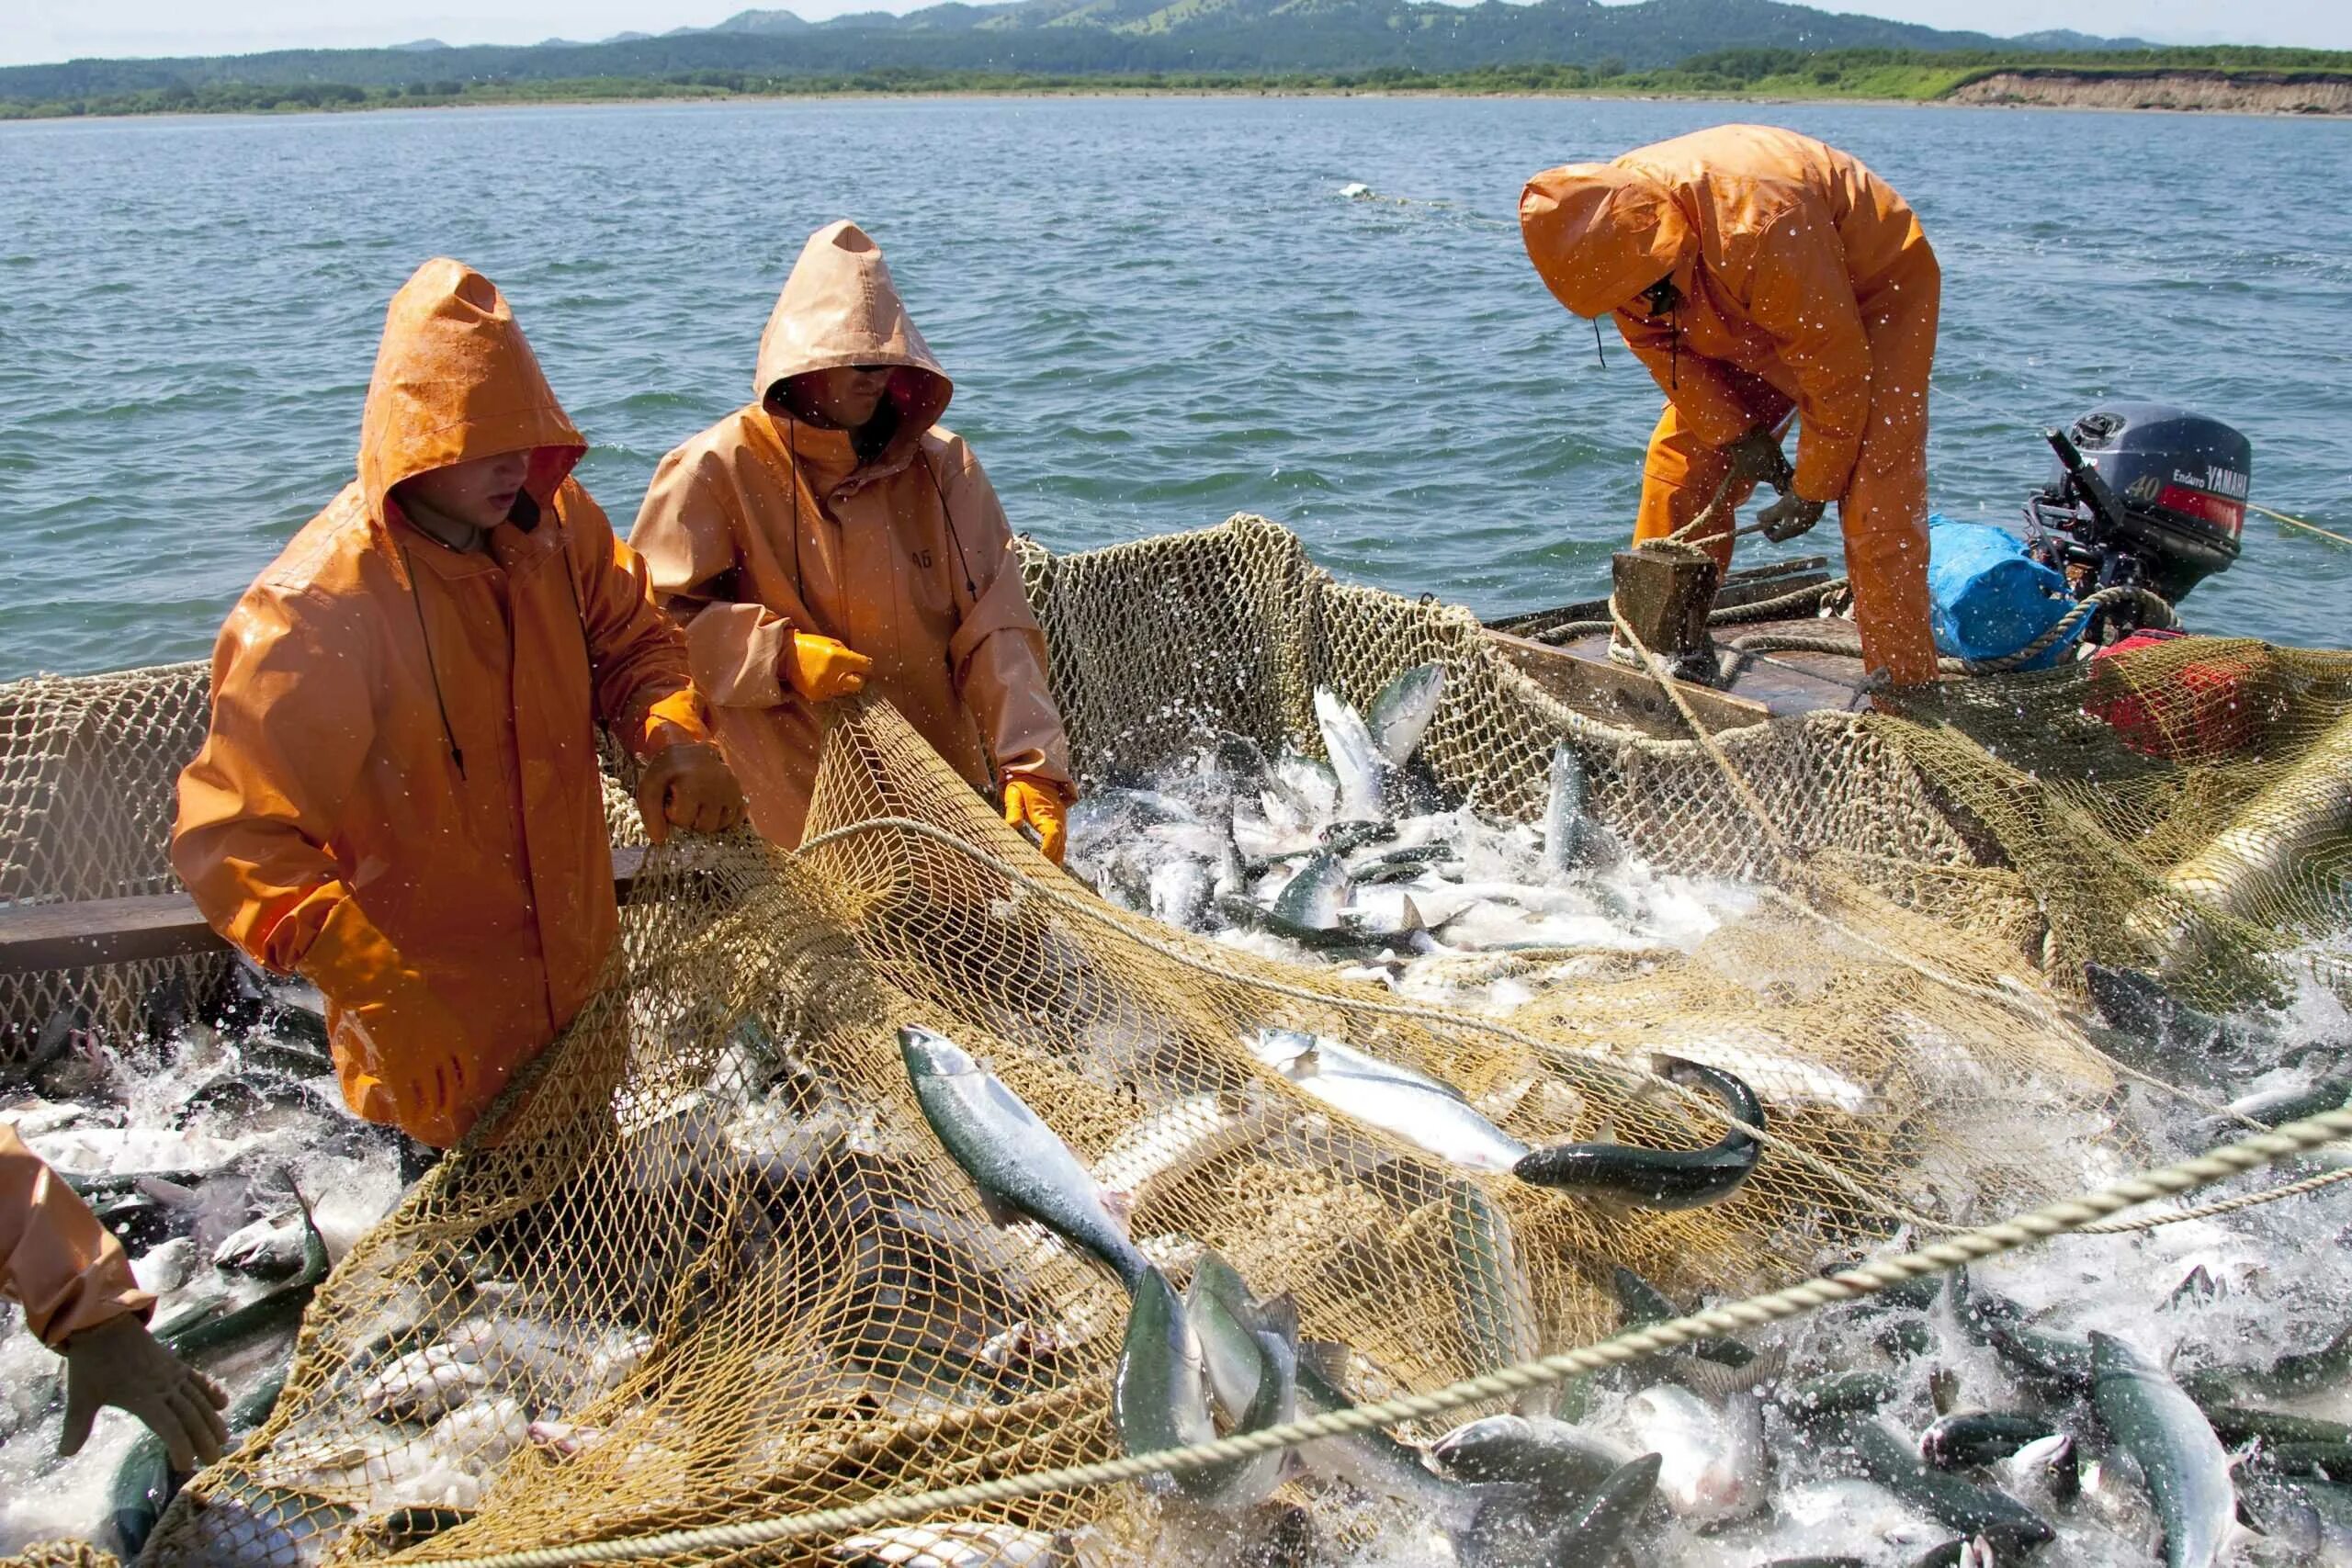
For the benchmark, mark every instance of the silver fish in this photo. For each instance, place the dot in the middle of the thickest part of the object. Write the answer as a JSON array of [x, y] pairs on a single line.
[[1400, 715], [1315, 894], [1493, 1301], [1354, 758], [1717, 1464], [1020, 1164], [955, 1546], [1159, 1400], [1429, 1115], [1564, 1459], [1566, 830], [2186, 1468]]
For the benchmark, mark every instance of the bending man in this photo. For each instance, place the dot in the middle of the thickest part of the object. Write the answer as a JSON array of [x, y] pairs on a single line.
[[830, 536], [81, 1300], [1757, 272], [400, 795]]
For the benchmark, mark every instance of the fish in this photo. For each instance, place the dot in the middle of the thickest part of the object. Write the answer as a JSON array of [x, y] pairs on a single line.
[[1159, 1400], [955, 1546], [144, 1484], [2187, 1471], [1597, 1528], [1571, 837], [1492, 1299], [1716, 1468], [1400, 715], [1970, 1439], [1644, 1304], [1171, 1144], [2239, 1424], [1019, 1164], [1554, 1456], [2043, 1469], [1375, 1461], [282, 1308], [1355, 759], [1963, 1551], [1178, 892], [1961, 1505], [242, 1523], [2049, 1364], [2291, 1376], [1429, 1115], [1659, 1178], [423, 1385], [2311, 1519], [1315, 894], [1825, 1399], [270, 1248]]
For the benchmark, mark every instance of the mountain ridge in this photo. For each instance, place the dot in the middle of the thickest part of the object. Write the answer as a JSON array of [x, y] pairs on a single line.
[[1079, 37]]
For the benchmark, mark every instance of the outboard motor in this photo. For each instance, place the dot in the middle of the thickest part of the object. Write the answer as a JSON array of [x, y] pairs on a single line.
[[2145, 495]]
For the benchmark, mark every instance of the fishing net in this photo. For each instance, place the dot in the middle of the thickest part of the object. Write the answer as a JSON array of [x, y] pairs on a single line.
[[711, 1263]]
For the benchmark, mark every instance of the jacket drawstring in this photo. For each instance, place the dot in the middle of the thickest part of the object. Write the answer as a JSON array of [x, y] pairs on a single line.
[[440, 703], [1597, 353]]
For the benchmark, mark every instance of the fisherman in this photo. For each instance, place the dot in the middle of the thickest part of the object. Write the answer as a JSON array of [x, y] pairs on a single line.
[[830, 534], [80, 1300], [400, 796], [1757, 273]]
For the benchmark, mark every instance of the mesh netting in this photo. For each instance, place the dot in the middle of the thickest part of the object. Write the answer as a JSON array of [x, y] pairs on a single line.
[[715, 1264]]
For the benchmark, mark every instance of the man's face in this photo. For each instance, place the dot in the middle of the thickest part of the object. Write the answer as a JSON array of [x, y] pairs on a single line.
[[845, 398], [1660, 298], [479, 493]]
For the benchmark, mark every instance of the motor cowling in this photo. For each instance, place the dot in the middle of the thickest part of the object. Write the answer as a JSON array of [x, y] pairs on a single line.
[[2175, 484]]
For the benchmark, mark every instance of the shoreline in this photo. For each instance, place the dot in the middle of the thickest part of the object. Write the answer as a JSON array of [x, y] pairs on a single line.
[[2000, 90]]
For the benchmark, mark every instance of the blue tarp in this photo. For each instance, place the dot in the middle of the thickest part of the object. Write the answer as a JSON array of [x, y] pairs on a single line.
[[1989, 597]]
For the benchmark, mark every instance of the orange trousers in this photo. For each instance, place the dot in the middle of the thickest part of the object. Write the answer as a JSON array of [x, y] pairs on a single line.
[[1883, 513]]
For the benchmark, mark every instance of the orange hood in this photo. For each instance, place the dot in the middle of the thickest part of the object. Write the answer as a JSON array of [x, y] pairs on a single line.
[[840, 308], [453, 381], [1599, 234]]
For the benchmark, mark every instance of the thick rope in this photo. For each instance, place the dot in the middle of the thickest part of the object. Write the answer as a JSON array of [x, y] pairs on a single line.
[[2039, 1224], [2221, 1206]]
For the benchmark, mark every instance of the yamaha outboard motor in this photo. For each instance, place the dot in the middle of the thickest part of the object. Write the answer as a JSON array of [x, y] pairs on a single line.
[[2144, 495]]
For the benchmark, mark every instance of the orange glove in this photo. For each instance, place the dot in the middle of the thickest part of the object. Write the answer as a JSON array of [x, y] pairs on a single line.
[[1040, 809], [400, 1050], [822, 668], [687, 783]]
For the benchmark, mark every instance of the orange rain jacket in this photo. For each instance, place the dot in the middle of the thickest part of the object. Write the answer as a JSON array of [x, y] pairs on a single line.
[[400, 795], [763, 525], [56, 1260], [1807, 285]]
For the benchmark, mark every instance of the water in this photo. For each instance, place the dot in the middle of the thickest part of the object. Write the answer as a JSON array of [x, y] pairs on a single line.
[[1159, 313]]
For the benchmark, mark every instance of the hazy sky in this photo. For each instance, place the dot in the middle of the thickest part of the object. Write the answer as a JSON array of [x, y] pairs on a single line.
[[58, 29]]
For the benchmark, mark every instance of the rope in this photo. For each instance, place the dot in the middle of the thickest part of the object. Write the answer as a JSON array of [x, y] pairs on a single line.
[[2222, 1206], [2299, 523], [2039, 1224], [1105, 915]]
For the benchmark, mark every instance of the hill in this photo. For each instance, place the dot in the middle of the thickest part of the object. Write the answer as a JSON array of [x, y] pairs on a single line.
[[1065, 37]]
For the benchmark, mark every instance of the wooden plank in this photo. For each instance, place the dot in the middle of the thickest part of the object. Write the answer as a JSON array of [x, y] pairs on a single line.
[[1748, 585], [1624, 697], [160, 925]]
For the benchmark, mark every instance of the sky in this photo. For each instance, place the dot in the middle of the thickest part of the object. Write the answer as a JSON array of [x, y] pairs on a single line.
[[36, 31]]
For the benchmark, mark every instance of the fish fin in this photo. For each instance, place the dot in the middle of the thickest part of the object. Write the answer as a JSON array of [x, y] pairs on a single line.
[[1326, 1359], [1278, 1315], [1713, 1380], [1409, 918], [999, 1213], [1120, 1206]]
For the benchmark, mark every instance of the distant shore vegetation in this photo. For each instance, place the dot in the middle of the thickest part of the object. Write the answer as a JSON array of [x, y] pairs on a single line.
[[1896, 74]]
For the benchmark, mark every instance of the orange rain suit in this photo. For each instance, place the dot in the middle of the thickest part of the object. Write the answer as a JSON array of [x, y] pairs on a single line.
[[400, 796], [56, 1260], [1807, 285], [764, 525]]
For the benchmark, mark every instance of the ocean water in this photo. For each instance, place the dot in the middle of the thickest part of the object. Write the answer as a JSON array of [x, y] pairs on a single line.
[[1159, 312]]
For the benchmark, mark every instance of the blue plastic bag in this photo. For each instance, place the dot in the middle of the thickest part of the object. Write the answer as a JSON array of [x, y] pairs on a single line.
[[1989, 598]]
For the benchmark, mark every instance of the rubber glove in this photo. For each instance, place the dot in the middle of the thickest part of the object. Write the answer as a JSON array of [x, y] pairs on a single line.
[[1755, 459], [822, 668], [118, 1362], [687, 784], [400, 1051], [1040, 809], [1789, 516]]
